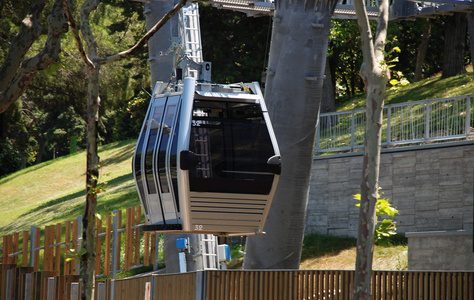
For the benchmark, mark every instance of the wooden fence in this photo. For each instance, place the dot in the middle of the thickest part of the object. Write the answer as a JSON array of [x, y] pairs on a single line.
[[248, 285], [117, 248]]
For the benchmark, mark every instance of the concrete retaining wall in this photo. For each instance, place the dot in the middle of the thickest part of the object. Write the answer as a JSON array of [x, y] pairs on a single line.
[[431, 186], [442, 250]]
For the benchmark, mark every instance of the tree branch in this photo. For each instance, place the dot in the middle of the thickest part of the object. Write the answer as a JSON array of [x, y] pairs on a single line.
[[57, 25], [30, 30], [75, 33], [128, 53], [367, 44]]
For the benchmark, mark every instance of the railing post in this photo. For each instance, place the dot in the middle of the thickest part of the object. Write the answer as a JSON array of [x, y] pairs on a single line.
[[352, 130], [112, 289], [114, 244], [389, 124], [467, 124], [317, 134], [427, 120], [32, 245]]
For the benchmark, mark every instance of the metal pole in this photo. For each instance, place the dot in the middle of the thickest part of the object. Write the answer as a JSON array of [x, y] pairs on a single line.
[[427, 120], [467, 124], [79, 244], [352, 131], [112, 289], [114, 245], [389, 125], [32, 245], [318, 128]]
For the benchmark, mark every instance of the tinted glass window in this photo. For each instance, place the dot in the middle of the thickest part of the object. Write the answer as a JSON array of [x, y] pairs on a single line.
[[137, 165], [165, 138], [154, 125], [233, 144]]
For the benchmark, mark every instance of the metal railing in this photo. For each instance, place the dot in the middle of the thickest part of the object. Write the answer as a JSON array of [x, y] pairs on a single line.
[[414, 122]]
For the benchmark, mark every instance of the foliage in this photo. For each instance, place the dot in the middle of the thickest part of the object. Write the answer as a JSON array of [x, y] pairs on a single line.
[[236, 55], [49, 119], [129, 119], [384, 214]]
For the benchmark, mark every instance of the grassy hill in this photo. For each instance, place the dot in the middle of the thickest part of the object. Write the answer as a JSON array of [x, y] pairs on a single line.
[[431, 88], [54, 191]]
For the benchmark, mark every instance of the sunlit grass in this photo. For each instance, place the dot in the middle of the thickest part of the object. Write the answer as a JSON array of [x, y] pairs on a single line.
[[54, 191], [431, 88]]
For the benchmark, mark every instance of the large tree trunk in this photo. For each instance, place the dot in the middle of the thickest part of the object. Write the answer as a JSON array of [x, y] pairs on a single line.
[[375, 75], [293, 96], [454, 45], [421, 53], [470, 29], [328, 101]]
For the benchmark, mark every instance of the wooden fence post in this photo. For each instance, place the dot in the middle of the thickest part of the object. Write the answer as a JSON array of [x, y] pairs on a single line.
[[138, 219], [107, 245]]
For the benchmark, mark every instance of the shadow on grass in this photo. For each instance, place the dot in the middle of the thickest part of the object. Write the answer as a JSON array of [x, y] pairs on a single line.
[[122, 194], [317, 245]]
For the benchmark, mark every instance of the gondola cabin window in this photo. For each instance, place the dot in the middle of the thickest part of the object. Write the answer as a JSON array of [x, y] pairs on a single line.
[[232, 143]]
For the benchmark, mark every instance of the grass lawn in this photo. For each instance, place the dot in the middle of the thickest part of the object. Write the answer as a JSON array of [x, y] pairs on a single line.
[[54, 191], [431, 88]]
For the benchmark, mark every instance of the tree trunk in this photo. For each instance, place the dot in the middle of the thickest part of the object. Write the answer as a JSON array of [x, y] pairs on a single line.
[[375, 75], [470, 29], [422, 48], [293, 95], [92, 177], [454, 45], [328, 102]]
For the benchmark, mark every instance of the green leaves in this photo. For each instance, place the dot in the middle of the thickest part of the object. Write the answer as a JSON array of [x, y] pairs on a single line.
[[385, 227]]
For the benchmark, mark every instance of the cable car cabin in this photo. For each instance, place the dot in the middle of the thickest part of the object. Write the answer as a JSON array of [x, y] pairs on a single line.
[[207, 160]]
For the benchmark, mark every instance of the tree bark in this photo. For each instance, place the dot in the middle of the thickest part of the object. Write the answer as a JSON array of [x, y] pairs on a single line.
[[14, 79], [470, 29], [375, 75], [328, 102], [421, 53], [454, 45], [293, 95]]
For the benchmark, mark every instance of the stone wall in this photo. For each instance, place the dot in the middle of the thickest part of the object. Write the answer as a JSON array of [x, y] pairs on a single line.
[[431, 186]]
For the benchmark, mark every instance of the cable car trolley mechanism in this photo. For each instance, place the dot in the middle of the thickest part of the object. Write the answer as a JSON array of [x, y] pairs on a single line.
[[207, 160]]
